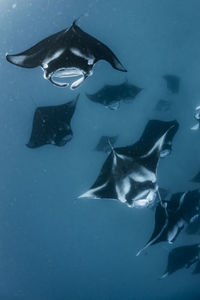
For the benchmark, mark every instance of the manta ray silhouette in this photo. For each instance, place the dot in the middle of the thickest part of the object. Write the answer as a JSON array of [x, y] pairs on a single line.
[[183, 257], [51, 125], [111, 95], [129, 174], [172, 216], [68, 53]]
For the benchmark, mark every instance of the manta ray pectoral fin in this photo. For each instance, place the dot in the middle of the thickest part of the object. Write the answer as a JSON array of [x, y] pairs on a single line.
[[16, 59], [93, 192], [106, 54], [34, 56], [117, 65], [195, 127], [89, 194], [25, 59]]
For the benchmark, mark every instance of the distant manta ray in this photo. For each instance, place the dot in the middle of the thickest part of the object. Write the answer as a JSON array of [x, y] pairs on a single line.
[[183, 257], [51, 125], [111, 95], [129, 174], [68, 53]]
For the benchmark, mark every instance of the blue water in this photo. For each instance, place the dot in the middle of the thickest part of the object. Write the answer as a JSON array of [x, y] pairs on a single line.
[[54, 246]]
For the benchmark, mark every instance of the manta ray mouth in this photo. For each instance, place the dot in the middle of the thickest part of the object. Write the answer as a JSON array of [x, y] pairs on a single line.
[[145, 199], [67, 73]]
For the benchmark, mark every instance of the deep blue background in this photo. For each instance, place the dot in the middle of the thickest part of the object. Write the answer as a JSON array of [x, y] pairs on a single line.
[[54, 246]]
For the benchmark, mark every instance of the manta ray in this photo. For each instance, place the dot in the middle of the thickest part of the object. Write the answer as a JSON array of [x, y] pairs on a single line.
[[68, 53], [111, 95], [183, 257], [51, 125], [129, 173], [172, 216]]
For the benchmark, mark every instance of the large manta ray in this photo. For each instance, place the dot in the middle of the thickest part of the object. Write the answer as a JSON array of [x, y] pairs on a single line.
[[51, 125], [68, 53], [183, 257], [111, 95], [129, 174], [172, 216]]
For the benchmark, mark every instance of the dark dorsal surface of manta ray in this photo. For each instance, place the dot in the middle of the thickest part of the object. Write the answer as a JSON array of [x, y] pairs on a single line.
[[111, 95], [173, 83], [172, 216], [51, 125], [68, 53], [183, 257], [129, 174], [163, 106], [105, 143]]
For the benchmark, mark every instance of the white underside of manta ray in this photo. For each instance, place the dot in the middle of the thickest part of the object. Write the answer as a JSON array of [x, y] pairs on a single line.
[[129, 174]]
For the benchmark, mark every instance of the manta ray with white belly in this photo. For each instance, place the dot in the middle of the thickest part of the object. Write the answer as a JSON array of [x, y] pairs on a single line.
[[68, 53], [129, 174]]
